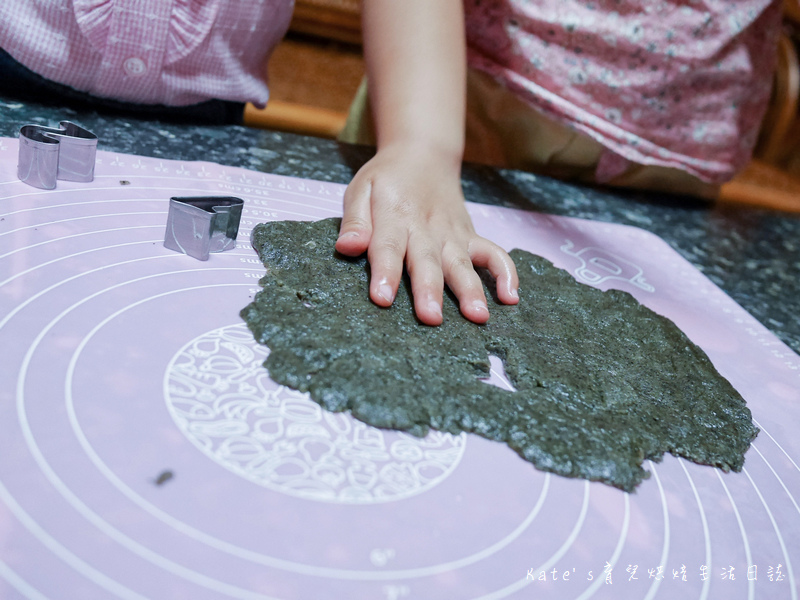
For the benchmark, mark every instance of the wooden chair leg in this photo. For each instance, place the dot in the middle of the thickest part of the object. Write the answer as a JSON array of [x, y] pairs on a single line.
[[763, 186], [295, 118], [783, 107]]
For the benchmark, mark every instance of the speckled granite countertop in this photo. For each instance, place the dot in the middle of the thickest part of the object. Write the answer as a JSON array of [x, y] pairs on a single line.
[[753, 255]]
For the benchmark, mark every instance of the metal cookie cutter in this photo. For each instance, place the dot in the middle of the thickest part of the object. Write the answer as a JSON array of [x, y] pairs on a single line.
[[202, 224], [47, 154]]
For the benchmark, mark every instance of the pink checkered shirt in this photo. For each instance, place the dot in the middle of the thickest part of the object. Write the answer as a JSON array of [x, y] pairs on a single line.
[[173, 52]]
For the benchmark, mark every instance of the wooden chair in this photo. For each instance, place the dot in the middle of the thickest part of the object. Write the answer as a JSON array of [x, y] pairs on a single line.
[[764, 183], [338, 20], [781, 116], [296, 118]]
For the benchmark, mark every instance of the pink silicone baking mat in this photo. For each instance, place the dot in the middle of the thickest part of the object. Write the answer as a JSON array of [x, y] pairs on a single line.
[[145, 453]]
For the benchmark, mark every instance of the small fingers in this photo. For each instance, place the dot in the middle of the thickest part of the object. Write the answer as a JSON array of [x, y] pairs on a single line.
[[355, 232], [489, 255], [427, 282], [465, 283], [386, 255]]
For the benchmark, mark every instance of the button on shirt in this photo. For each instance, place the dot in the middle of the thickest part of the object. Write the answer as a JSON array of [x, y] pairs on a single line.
[[172, 52]]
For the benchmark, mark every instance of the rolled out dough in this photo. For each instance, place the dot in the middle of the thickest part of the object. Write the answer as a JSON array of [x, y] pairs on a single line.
[[602, 382]]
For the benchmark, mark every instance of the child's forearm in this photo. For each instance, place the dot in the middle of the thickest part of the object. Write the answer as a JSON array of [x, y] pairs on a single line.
[[416, 63]]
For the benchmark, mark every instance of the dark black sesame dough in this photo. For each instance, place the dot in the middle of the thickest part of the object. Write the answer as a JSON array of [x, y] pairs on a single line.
[[602, 382]]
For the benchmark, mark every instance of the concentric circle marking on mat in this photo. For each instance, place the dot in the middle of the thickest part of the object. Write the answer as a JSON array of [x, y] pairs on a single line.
[[221, 398]]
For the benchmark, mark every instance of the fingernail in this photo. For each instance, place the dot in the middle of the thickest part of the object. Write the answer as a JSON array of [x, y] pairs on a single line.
[[480, 307], [348, 234], [514, 293], [434, 307], [385, 291]]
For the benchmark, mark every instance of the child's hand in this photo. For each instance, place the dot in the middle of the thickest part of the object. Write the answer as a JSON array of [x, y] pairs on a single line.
[[405, 206]]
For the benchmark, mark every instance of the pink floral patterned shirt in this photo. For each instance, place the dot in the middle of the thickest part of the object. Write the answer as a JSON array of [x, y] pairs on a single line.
[[173, 52], [676, 83]]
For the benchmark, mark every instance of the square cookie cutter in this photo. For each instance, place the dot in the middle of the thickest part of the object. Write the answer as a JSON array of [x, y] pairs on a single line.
[[199, 225], [48, 153]]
